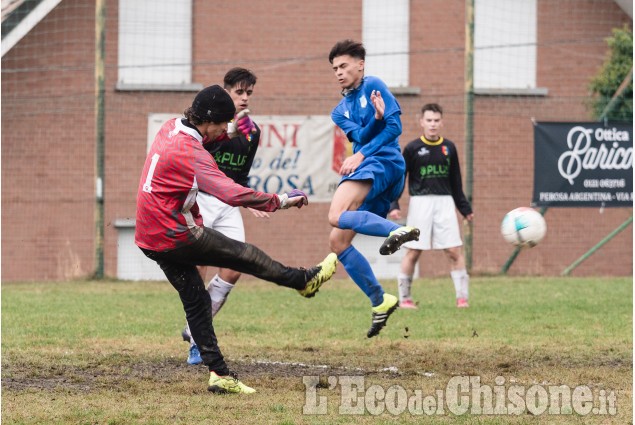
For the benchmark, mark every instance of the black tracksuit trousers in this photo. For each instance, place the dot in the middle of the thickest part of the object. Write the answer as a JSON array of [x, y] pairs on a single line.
[[213, 248]]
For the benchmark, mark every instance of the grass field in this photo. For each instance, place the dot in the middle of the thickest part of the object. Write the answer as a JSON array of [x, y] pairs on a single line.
[[110, 353]]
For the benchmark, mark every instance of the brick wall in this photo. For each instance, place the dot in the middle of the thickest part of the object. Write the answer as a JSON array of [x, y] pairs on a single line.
[[48, 127]]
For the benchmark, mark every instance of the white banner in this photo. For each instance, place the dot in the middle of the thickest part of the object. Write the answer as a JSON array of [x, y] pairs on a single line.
[[296, 151]]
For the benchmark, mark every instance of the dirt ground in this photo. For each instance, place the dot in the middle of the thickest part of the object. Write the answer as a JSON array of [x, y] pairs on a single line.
[[89, 378]]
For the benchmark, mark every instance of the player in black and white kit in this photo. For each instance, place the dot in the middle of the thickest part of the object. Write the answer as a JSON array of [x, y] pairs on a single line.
[[435, 188], [234, 154]]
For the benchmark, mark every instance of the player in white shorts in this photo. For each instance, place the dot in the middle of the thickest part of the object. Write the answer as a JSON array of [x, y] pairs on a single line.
[[221, 217], [435, 217], [436, 191], [234, 154]]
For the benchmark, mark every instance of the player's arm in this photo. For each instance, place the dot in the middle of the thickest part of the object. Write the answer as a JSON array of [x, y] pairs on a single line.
[[357, 133], [394, 213], [391, 131], [395, 209], [243, 175], [460, 200], [213, 181], [364, 134]]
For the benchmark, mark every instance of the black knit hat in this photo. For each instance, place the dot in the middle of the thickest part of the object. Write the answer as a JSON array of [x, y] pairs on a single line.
[[214, 104]]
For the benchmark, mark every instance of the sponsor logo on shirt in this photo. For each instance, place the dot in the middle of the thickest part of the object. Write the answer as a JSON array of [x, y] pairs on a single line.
[[423, 151], [363, 101]]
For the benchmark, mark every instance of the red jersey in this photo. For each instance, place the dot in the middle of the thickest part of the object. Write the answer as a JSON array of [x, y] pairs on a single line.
[[178, 166]]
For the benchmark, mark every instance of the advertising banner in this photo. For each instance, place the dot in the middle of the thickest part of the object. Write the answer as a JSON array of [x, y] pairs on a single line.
[[295, 151], [583, 164]]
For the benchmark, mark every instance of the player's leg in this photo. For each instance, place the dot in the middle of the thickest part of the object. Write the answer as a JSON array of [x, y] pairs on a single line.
[[344, 214], [364, 199], [420, 216], [459, 275], [371, 224], [220, 287], [446, 235], [211, 210], [188, 283], [215, 249], [349, 196], [229, 222], [356, 265], [193, 354], [405, 276], [359, 269], [346, 222]]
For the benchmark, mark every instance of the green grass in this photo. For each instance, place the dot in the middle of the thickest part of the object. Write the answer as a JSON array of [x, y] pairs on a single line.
[[110, 352]]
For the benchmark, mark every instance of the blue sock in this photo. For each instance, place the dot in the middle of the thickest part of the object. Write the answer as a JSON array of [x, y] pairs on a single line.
[[366, 223], [358, 268]]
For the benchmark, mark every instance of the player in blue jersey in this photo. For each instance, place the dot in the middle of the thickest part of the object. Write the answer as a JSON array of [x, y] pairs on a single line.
[[372, 177]]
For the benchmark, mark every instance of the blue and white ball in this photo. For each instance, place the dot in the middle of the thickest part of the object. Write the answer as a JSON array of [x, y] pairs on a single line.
[[523, 227]]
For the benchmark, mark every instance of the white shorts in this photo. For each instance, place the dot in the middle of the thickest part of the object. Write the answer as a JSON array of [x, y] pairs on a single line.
[[221, 217], [435, 216]]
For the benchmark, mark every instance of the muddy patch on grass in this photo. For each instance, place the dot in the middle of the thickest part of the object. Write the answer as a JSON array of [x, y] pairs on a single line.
[[121, 371], [99, 375]]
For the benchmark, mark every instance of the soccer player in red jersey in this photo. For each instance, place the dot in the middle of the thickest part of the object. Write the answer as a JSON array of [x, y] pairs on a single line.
[[170, 231]]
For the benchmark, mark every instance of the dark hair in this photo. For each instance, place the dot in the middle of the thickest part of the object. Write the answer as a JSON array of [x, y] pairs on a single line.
[[241, 77], [348, 47], [193, 117], [433, 107]]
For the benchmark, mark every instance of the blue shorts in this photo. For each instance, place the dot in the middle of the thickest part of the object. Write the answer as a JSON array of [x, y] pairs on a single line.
[[387, 174]]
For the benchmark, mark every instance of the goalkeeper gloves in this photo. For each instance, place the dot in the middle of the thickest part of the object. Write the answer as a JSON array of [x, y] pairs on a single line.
[[245, 125], [241, 123], [295, 198]]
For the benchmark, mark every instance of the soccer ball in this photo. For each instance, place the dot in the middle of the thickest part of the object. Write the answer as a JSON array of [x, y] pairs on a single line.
[[523, 227]]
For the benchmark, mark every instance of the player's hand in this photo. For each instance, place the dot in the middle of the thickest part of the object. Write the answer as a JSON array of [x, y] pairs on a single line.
[[259, 214], [232, 130], [469, 217], [351, 163], [294, 198], [378, 103], [244, 124], [394, 214]]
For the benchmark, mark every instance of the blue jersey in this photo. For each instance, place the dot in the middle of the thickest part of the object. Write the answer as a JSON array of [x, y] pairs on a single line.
[[355, 115], [377, 140]]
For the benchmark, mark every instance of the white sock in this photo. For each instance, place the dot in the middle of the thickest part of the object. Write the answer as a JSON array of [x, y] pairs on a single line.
[[405, 282], [187, 331], [218, 291], [461, 283]]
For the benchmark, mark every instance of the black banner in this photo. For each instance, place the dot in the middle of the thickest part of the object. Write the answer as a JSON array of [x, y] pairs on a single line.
[[587, 164]]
